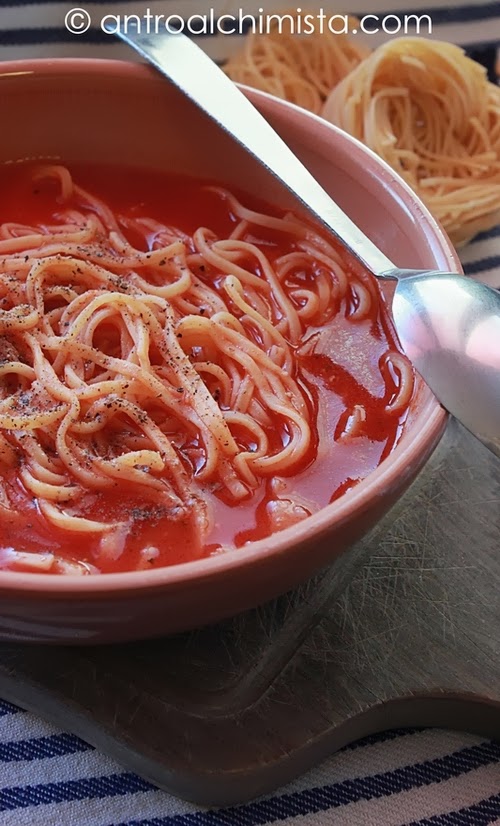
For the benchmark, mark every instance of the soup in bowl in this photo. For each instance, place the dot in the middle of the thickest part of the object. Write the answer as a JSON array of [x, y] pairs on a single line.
[[203, 397]]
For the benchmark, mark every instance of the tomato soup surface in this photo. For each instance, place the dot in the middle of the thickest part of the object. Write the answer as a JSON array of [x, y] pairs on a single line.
[[312, 405]]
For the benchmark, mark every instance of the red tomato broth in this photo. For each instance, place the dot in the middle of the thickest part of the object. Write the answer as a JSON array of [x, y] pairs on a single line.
[[340, 370]]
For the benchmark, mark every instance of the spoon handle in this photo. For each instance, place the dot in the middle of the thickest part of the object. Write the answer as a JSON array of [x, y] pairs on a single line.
[[448, 372], [201, 80]]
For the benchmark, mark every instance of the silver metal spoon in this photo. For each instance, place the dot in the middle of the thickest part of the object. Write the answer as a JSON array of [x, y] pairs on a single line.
[[448, 325]]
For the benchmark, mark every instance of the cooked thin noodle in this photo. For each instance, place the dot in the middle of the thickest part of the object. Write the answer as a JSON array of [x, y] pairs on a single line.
[[430, 112], [397, 365], [166, 369], [301, 68]]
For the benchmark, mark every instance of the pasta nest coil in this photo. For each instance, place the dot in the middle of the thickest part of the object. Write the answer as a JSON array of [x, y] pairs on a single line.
[[430, 112]]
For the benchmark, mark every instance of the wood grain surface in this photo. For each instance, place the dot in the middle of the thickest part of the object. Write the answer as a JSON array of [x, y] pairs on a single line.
[[404, 630]]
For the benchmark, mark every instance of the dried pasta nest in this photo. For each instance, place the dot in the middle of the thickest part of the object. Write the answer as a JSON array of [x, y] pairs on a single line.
[[430, 112], [299, 67]]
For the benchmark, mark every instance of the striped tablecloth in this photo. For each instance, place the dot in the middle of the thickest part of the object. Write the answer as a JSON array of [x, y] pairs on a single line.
[[51, 778]]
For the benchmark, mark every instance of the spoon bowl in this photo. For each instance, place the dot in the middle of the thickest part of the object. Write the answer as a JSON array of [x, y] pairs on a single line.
[[449, 327]]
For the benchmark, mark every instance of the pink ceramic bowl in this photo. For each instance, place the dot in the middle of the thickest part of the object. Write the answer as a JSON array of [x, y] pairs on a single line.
[[106, 111]]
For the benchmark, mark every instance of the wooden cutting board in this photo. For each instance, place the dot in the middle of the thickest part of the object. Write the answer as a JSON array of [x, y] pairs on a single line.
[[403, 631]]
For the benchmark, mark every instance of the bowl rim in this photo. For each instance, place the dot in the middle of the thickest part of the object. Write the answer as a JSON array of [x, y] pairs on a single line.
[[432, 417]]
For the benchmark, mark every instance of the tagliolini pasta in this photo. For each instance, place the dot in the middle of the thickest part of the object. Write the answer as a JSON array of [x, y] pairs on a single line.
[[430, 112], [421, 105], [180, 373]]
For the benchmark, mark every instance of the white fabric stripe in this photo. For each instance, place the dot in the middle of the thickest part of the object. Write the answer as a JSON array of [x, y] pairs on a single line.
[[22, 727], [489, 277], [58, 769], [419, 803], [477, 250]]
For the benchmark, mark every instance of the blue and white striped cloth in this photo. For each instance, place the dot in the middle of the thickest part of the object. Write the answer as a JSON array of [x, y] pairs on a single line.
[[416, 778], [411, 778]]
